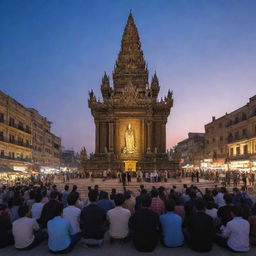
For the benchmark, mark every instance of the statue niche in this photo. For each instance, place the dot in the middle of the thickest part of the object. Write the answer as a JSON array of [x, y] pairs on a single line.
[[129, 139]]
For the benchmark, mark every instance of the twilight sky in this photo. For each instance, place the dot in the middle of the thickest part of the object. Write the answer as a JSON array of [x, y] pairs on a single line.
[[53, 52]]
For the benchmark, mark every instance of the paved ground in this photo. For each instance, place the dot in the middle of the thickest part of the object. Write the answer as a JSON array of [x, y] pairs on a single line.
[[108, 249]]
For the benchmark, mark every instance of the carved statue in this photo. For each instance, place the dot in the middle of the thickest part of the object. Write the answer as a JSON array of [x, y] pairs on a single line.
[[129, 139]]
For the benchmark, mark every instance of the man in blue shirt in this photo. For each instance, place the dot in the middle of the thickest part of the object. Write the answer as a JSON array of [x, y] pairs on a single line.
[[59, 231], [171, 225]]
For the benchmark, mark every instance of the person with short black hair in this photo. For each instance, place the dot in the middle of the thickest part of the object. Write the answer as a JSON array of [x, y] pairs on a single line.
[[235, 235], [93, 220], [37, 207], [171, 226], [200, 229], [59, 229], [23, 230], [224, 212], [6, 237], [145, 226], [118, 219], [104, 202], [72, 212], [49, 208]]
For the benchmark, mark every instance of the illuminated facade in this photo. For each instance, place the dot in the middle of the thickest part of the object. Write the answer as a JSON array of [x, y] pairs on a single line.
[[25, 138], [130, 121], [231, 139]]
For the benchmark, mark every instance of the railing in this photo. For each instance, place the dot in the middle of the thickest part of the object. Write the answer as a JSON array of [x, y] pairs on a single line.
[[21, 128], [19, 143], [16, 159]]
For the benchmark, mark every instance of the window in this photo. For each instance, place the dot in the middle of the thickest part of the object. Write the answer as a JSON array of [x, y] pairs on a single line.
[[220, 125], [244, 117], [237, 135], [20, 126], [221, 150], [213, 140], [221, 138], [236, 120], [245, 149], [1, 117], [2, 136], [244, 132], [11, 138], [238, 151], [12, 122], [231, 151], [2, 153]]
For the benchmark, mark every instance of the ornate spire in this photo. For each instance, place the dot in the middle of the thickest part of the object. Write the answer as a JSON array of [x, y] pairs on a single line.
[[130, 65], [155, 86], [105, 86]]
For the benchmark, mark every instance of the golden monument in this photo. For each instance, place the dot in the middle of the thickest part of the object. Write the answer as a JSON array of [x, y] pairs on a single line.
[[130, 147], [130, 120]]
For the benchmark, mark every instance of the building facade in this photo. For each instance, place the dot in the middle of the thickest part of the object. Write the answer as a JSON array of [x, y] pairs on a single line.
[[191, 149], [130, 121], [25, 138], [230, 139], [15, 134]]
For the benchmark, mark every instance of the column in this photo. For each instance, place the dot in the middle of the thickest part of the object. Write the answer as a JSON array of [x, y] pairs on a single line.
[[163, 137], [111, 136], [149, 124], [97, 137]]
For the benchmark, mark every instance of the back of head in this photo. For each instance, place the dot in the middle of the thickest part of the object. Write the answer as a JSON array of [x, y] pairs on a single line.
[[200, 205], [119, 199], [154, 193], [72, 198], [23, 210], [93, 195], [66, 187], [146, 200], [74, 187], [236, 211], [170, 205], [54, 194], [38, 197], [57, 210], [228, 198]]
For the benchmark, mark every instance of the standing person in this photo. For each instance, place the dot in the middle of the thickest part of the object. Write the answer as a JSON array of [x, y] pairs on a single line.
[[59, 229], [200, 229], [93, 220], [171, 226], [72, 213], [235, 236], [23, 230], [197, 176], [65, 194], [118, 219], [129, 177], [145, 227], [123, 176]]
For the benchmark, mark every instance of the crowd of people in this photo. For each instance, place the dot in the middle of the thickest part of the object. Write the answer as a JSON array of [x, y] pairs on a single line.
[[32, 214]]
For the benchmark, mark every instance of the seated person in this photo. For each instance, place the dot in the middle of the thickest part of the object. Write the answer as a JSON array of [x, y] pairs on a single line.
[[171, 226], [72, 212], [235, 235], [224, 212], [118, 219], [93, 221], [200, 229], [104, 202], [37, 207], [59, 231], [145, 226], [49, 208], [23, 230], [6, 237]]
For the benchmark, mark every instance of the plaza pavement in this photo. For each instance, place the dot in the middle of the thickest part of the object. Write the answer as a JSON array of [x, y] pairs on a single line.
[[117, 249]]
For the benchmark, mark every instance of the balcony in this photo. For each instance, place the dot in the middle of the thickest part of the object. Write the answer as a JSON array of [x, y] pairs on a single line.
[[16, 159], [15, 142], [19, 127]]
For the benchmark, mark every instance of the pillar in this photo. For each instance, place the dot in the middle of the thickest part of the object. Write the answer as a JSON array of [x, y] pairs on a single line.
[[111, 136], [97, 137]]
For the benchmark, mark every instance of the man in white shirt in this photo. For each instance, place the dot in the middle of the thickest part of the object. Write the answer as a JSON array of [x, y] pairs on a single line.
[[235, 236], [118, 219], [23, 230], [72, 212], [37, 207]]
